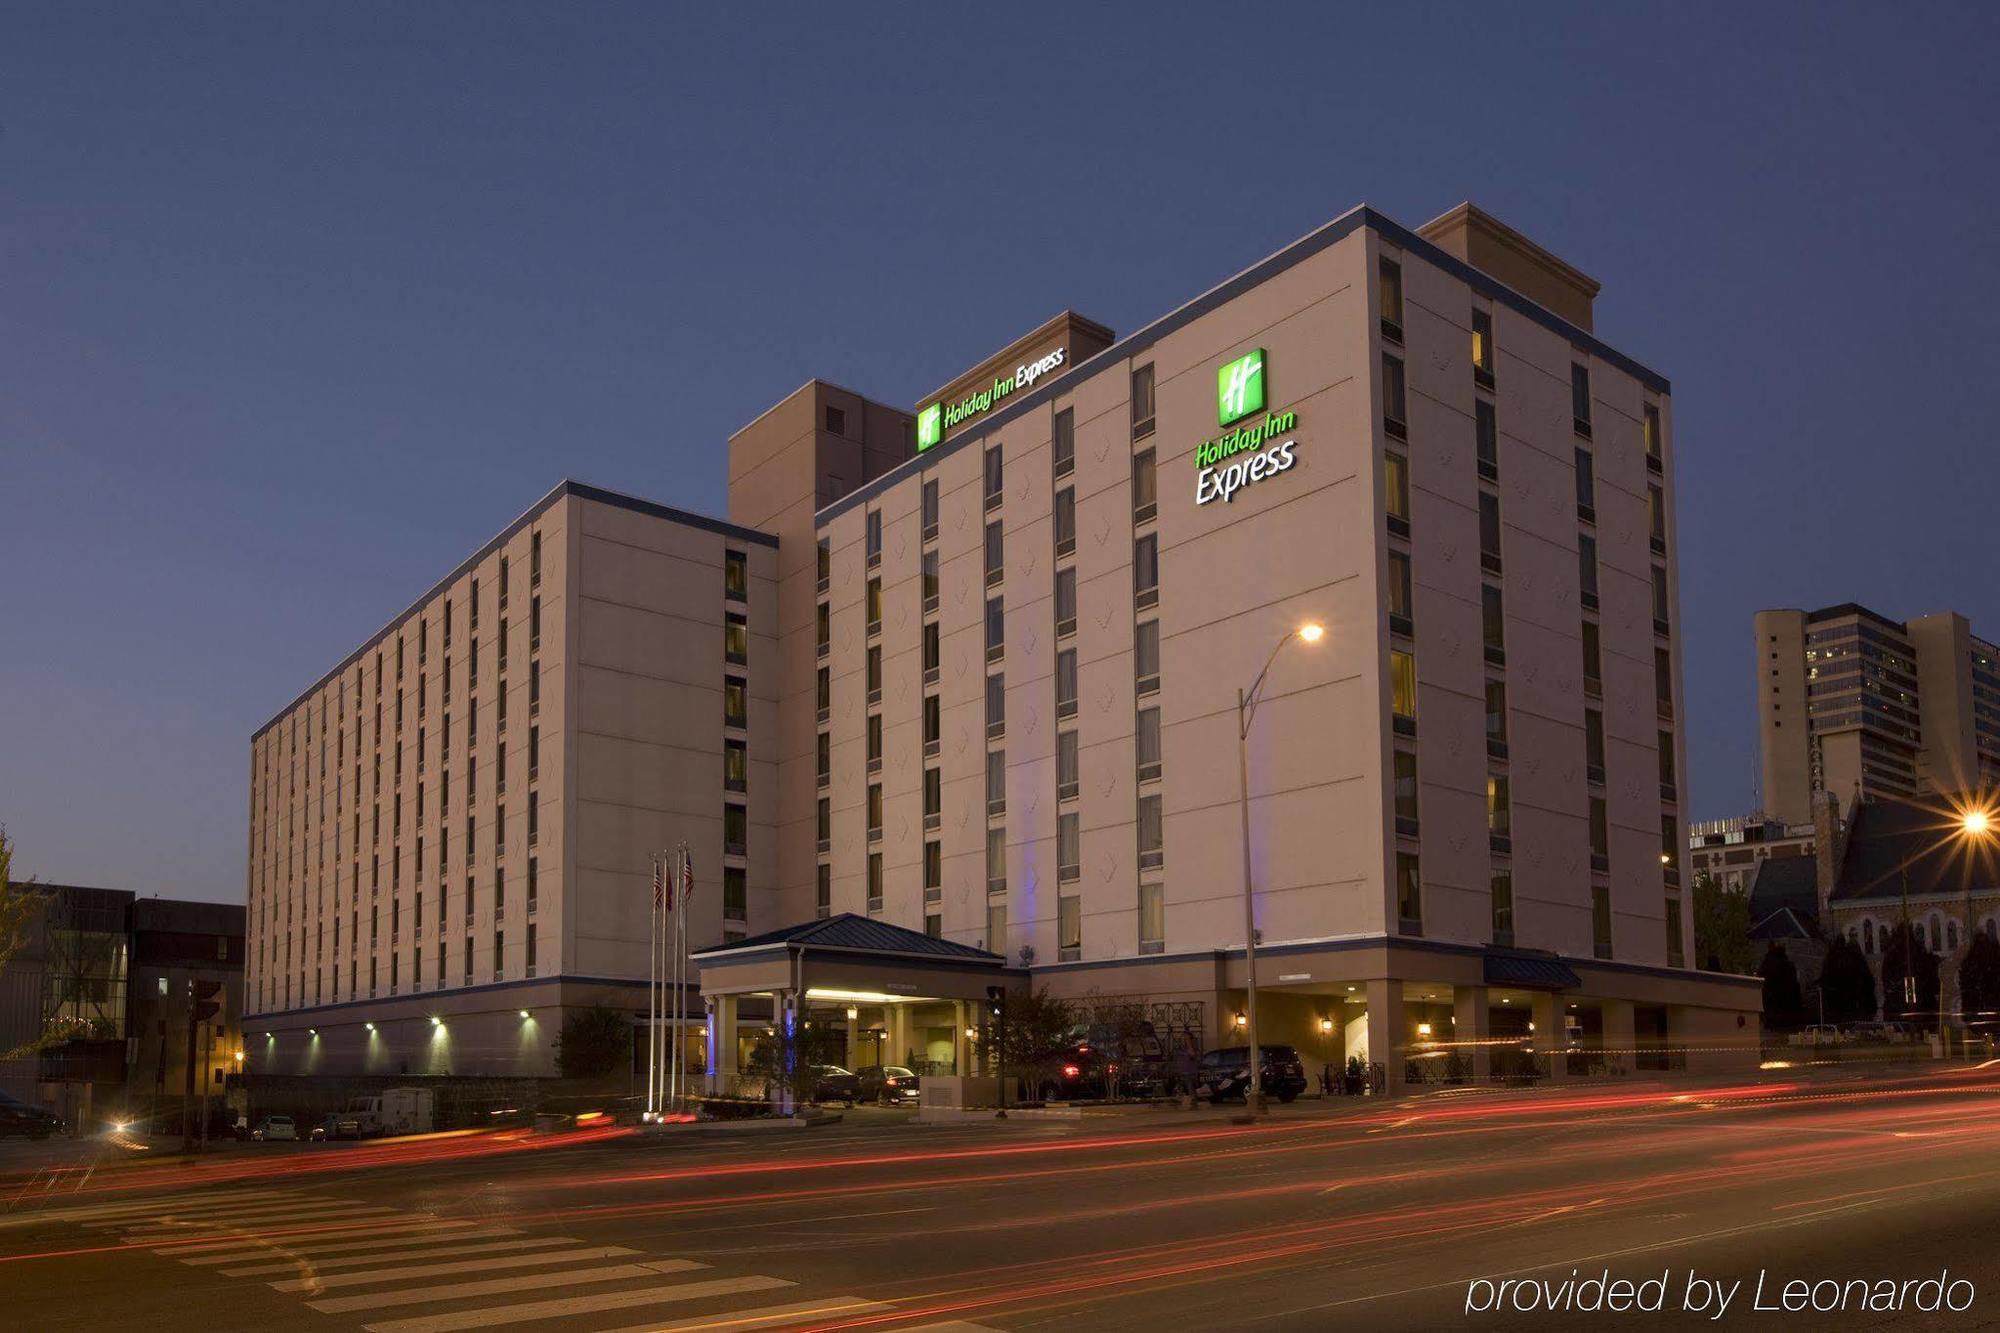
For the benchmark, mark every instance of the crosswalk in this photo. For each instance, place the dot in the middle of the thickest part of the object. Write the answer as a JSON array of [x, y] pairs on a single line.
[[391, 1270]]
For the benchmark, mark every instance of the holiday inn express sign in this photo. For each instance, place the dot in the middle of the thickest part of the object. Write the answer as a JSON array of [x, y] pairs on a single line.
[[1220, 470], [934, 421]]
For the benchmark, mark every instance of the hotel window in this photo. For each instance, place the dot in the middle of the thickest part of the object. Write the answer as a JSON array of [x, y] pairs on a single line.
[[535, 560], [1142, 401], [1146, 571], [500, 767], [996, 860], [1489, 532], [825, 564], [823, 755], [872, 537], [534, 688], [1152, 918], [823, 631], [1394, 404], [735, 766], [1482, 347], [1396, 492], [1068, 775], [1065, 602], [1663, 682], [534, 891], [1069, 847], [1148, 745], [1586, 569], [1600, 836], [933, 725], [423, 642], [1579, 398], [874, 812], [1496, 719], [933, 798], [1593, 746], [1066, 521], [499, 955], [1403, 691], [1670, 847], [1593, 661], [1064, 444], [1389, 288], [836, 421], [534, 623], [1675, 956], [874, 742], [1152, 833], [1146, 656], [1656, 519], [735, 894], [1586, 487], [1492, 624], [996, 782], [1409, 894], [934, 925], [995, 478], [1066, 683], [825, 823], [996, 707], [996, 554], [824, 693], [931, 653], [734, 712], [996, 628], [503, 593], [996, 927], [1406, 793], [736, 639], [1486, 440], [500, 647], [1651, 428], [471, 672], [874, 606], [930, 510], [928, 566], [1503, 908], [1069, 929], [467, 955], [735, 576], [1669, 791], [1600, 920], [1499, 810], [933, 871], [1145, 487]]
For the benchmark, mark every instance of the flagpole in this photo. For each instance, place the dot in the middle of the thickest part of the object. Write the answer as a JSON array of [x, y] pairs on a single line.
[[652, 933], [680, 915]]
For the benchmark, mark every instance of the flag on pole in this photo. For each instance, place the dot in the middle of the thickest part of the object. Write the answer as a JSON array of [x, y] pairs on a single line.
[[657, 886], [687, 876]]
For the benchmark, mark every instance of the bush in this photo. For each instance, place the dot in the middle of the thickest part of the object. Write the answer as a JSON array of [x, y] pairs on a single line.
[[595, 1043]]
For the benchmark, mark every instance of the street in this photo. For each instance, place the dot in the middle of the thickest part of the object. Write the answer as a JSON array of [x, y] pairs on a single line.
[[1371, 1212]]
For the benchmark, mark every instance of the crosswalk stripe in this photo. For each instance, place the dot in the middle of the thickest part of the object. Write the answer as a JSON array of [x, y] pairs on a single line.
[[948, 1326], [315, 1284], [224, 1216], [357, 1261], [220, 1228], [88, 1212], [499, 1285], [308, 1241], [763, 1316], [564, 1307]]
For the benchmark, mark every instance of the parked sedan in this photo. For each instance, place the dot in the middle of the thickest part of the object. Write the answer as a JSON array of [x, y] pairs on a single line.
[[1224, 1074], [19, 1117], [834, 1084], [890, 1085], [276, 1128], [1089, 1071]]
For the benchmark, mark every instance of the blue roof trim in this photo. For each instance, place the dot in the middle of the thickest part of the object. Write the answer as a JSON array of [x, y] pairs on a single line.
[[562, 490], [1297, 252], [442, 995]]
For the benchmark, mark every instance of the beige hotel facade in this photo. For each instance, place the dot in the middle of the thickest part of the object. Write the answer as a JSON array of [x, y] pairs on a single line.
[[972, 671]]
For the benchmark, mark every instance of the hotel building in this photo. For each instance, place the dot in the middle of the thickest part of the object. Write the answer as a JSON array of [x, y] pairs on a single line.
[[952, 700]]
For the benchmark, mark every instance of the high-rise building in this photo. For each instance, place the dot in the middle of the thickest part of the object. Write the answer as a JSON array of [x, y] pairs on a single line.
[[1856, 704], [996, 656]]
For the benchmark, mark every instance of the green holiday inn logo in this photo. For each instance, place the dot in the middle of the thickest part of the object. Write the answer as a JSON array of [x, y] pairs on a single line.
[[1239, 388], [935, 420], [930, 426]]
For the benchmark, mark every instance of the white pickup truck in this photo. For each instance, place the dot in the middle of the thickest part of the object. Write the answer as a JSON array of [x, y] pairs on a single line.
[[395, 1111]]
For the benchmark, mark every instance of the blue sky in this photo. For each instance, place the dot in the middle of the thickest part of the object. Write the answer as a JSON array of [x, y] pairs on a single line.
[[303, 302]]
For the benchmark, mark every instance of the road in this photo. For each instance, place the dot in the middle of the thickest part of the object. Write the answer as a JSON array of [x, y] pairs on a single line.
[[1379, 1213]]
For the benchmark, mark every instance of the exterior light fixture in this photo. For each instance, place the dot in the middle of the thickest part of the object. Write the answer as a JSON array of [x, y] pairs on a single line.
[[369, 1026], [1423, 1029], [1242, 1020], [1311, 632], [1978, 823], [436, 1022], [524, 1013], [972, 1034], [852, 1013], [1326, 1025], [312, 1032]]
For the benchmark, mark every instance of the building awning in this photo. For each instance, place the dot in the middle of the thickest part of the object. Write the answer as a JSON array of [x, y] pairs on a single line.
[[1532, 971]]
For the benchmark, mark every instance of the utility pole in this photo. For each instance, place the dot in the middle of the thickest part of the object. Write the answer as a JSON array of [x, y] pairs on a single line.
[[202, 1008]]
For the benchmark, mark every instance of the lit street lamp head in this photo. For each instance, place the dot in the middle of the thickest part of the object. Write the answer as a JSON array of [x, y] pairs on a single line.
[[1977, 823], [1311, 632]]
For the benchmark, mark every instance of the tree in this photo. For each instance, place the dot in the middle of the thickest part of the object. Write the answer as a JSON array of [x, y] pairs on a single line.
[[1783, 1004], [1897, 955], [1722, 927], [1979, 978], [794, 1065], [1845, 983], [20, 905], [594, 1042], [1038, 1029]]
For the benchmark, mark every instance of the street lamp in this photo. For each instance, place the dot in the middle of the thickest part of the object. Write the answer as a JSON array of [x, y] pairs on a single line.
[[1246, 710]]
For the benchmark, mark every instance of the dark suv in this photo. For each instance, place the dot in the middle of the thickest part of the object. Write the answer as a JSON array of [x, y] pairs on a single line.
[[1087, 1070], [1224, 1074], [18, 1117]]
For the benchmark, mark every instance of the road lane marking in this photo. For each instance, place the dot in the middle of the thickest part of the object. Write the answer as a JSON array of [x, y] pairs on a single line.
[[499, 1286], [206, 1216], [317, 1241], [86, 1212], [357, 1261], [578, 1305], [219, 1228], [504, 1261], [763, 1316]]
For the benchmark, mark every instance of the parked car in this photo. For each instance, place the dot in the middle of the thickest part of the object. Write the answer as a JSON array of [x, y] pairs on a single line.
[[19, 1117], [1224, 1073], [337, 1125], [890, 1085], [276, 1128], [1087, 1070], [834, 1084]]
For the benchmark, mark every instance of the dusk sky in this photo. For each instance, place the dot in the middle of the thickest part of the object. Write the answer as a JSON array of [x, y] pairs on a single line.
[[304, 302]]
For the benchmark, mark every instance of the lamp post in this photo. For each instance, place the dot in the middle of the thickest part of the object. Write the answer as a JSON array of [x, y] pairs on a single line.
[[1246, 710]]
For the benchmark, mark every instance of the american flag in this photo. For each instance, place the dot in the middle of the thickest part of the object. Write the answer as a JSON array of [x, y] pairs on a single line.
[[687, 877], [658, 888]]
